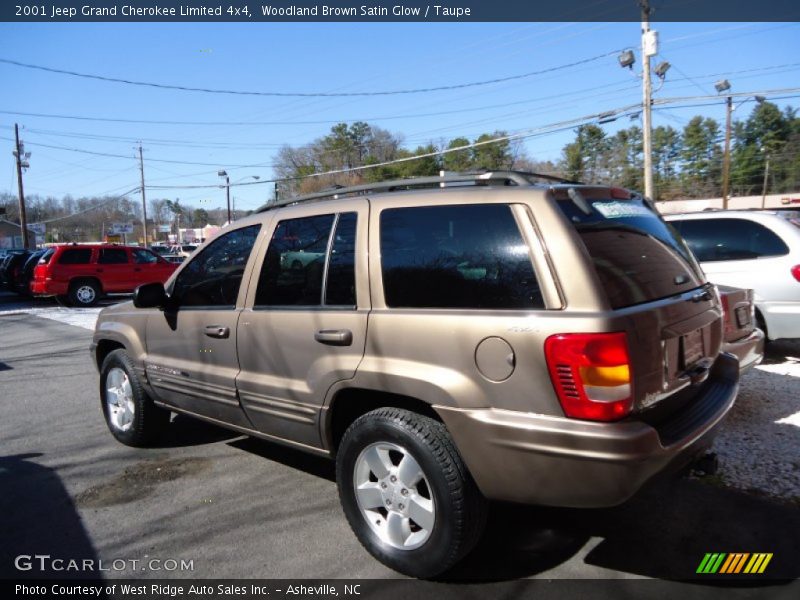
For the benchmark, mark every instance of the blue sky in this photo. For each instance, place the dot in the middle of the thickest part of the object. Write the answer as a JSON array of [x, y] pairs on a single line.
[[343, 57]]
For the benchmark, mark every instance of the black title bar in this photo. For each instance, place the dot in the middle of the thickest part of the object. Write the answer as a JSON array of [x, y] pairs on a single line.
[[396, 11]]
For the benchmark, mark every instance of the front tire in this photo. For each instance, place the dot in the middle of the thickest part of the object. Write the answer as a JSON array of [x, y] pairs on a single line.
[[406, 492], [130, 413]]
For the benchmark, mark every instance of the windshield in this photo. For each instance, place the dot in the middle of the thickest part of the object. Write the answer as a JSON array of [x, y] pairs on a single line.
[[637, 256]]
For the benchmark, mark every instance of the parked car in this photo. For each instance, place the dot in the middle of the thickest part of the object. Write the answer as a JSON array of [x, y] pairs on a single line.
[[174, 258], [12, 268], [25, 275], [183, 249], [160, 249], [548, 344], [751, 249], [83, 273], [741, 337]]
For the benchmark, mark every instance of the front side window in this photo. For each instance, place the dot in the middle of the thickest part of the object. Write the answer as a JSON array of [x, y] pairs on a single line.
[[295, 263], [461, 256], [729, 239], [213, 277], [112, 256], [75, 256]]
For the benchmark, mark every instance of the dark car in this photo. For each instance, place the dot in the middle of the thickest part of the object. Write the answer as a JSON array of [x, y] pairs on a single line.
[[23, 282], [13, 269]]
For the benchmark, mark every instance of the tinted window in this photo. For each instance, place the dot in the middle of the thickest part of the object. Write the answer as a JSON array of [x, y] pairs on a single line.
[[144, 257], [112, 256], [213, 277], [730, 239], [341, 286], [637, 256], [46, 257], [75, 256], [467, 256], [293, 267]]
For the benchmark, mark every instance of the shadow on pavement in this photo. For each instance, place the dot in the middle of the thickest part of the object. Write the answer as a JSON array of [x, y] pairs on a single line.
[[186, 431], [38, 517], [781, 351], [319, 466], [664, 532]]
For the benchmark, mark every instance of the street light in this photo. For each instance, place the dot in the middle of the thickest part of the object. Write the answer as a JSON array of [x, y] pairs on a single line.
[[223, 173], [723, 85], [626, 59]]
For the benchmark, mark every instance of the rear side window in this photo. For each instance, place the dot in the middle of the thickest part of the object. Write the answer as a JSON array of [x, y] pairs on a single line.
[[295, 263], [75, 256], [460, 256], [144, 257], [637, 256], [730, 239], [112, 256]]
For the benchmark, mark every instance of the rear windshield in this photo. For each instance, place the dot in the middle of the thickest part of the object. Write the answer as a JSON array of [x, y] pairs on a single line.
[[637, 256]]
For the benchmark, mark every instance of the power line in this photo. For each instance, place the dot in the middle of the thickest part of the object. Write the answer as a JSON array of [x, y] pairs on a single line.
[[350, 120], [161, 160], [307, 94]]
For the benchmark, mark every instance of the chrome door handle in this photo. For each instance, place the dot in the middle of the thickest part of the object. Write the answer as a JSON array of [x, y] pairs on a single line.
[[217, 331], [334, 337]]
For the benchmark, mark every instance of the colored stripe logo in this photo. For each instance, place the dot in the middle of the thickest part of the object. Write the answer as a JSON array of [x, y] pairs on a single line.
[[734, 563]]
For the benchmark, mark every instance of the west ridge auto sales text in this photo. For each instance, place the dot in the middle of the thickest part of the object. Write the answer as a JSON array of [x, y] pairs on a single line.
[[172, 590]]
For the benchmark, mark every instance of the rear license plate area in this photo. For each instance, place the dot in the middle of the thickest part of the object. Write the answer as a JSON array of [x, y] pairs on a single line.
[[742, 317], [691, 348]]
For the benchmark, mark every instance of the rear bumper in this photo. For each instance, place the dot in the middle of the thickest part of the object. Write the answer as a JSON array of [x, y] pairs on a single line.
[[44, 287], [539, 459], [782, 319], [749, 350]]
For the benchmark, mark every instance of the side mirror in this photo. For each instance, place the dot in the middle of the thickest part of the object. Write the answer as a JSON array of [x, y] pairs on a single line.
[[150, 295]]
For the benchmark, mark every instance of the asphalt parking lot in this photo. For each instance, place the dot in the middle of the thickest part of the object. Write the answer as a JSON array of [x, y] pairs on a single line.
[[240, 508]]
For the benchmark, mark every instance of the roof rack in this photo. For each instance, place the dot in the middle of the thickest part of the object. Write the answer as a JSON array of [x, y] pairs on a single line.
[[520, 178]]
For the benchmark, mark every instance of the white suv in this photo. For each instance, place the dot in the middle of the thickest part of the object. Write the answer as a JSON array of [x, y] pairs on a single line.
[[751, 249]]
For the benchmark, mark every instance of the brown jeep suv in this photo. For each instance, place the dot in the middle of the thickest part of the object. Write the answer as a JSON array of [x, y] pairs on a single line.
[[446, 340]]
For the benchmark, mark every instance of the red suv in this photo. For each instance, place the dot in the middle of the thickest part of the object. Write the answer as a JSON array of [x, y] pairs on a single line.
[[83, 272]]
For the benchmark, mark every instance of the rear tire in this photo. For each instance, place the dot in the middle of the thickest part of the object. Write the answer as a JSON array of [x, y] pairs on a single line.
[[130, 413], [406, 492], [84, 293], [761, 324]]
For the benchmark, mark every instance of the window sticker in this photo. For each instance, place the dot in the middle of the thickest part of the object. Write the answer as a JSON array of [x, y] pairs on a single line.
[[618, 210]]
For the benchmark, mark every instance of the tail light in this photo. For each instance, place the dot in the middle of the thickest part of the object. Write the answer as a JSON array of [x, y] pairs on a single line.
[[727, 318], [796, 272], [591, 374]]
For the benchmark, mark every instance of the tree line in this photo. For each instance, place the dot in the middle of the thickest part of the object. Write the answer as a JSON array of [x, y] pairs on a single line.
[[687, 162]]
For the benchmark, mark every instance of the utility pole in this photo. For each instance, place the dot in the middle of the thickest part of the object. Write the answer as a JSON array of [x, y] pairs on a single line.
[[228, 195], [144, 202], [764, 188], [648, 49], [224, 173], [726, 163], [22, 161]]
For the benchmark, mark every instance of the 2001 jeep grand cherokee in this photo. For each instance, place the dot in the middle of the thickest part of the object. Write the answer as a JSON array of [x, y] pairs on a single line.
[[449, 340]]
